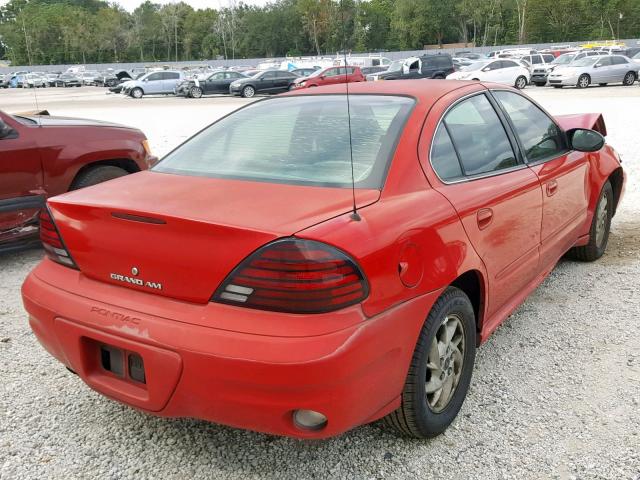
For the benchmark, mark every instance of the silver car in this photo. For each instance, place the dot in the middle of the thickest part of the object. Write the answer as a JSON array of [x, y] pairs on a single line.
[[601, 70]]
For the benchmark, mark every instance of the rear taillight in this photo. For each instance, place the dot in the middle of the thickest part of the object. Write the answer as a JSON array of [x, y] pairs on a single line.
[[295, 276], [52, 241]]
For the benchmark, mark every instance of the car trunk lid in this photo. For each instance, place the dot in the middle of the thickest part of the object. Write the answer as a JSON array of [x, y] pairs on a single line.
[[180, 236]]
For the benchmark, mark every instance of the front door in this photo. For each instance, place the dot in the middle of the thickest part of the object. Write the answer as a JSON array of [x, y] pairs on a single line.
[[563, 174], [20, 181], [153, 83], [498, 198]]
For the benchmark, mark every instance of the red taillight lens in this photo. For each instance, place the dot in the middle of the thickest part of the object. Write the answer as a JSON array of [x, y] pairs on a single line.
[[52, 241], [295, 276]]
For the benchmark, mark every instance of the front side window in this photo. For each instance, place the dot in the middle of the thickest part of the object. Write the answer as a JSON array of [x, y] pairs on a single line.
[[536, 59], [604, 62], [301, 140], [154, 76], [479, 137], [540, 136]]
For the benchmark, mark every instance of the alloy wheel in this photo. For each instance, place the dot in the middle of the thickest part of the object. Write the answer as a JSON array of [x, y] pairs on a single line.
[[444, 363], [583, 81], [521, 82], [629, 79], [248, 92]]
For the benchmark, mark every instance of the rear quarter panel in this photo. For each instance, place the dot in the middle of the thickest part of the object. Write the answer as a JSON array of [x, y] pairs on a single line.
[[65, 150]]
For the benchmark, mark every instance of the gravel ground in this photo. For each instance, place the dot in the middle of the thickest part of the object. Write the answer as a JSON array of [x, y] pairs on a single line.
[[555, 392]]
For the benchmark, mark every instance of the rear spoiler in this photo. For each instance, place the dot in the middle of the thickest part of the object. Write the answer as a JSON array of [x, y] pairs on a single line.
[[592, 121]]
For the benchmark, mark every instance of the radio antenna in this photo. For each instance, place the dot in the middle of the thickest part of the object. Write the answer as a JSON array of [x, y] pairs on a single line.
[[35, 95], [354, 215]]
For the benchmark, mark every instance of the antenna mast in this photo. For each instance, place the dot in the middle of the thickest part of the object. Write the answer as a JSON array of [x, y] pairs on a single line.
[[354, 215]]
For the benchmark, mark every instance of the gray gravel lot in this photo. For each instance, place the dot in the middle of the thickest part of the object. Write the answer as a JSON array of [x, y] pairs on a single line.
[[555, 393]]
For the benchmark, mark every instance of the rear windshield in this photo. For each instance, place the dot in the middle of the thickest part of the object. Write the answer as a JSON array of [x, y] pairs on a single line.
[[298, 140]]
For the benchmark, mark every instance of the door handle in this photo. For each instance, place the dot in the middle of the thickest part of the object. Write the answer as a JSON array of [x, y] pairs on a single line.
[[485, 217], [552, 188]]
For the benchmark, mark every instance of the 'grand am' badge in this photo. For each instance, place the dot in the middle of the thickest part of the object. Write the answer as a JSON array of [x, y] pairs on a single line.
[[135, 281]]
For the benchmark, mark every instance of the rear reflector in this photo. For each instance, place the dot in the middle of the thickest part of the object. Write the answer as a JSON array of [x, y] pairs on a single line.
[[52, 241], [295, 276]]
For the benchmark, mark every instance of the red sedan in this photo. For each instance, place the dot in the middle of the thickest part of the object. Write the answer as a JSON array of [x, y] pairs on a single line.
[[234, 282], [331, 76]]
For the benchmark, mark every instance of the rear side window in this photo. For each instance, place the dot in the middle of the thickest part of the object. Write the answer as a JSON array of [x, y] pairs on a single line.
[[298, 140], [479, 137], [171, 75], [540, 136], [443, 156], [619, 60], [509, 64]]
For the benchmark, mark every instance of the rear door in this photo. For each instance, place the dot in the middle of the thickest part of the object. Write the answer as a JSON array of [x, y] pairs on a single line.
[[498, 198], [281, 81], [620, 67], [563, 174], [21, 196]]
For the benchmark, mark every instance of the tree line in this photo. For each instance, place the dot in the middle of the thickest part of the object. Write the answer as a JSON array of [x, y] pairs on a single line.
[[94, 31]]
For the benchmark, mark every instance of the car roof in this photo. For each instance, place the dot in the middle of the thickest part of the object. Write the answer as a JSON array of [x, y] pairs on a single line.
[[425, 91]]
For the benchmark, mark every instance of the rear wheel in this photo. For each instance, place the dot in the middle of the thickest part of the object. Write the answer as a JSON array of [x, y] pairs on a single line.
[[521, 82], [137, 93], [97, 175], [248, 91], [441, 368], [583, 81], [195, 92], [599, 231], [629, 79]]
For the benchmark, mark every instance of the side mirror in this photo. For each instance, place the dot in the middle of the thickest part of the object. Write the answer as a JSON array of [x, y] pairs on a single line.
[[322, 77], [486, 69], [597, 65], [585, 140]]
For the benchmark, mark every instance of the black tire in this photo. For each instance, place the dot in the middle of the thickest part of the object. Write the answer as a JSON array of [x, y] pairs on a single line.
[[584, 81], [597, 246], [248, 91], [136, 93], [521, 82], [439, 77], [195, 92], [629, 79], [475, 79], [415, 417], [96, 175]]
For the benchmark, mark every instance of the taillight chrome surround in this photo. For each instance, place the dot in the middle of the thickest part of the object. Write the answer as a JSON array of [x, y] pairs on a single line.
[[52, 241], [294, 275]]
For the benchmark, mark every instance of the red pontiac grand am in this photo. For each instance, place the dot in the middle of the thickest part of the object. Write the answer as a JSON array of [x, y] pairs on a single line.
[[234, 283]]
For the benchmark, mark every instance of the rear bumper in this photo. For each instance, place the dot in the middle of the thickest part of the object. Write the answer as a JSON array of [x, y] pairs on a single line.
[[352, 376]]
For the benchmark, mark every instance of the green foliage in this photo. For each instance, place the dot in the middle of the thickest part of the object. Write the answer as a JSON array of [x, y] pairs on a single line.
[[88, 31]]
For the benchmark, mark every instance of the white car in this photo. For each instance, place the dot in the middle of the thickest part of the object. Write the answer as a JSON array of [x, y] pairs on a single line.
[[508, 72]]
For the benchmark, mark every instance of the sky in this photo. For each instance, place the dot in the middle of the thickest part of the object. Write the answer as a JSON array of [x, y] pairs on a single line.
[[130, 5]]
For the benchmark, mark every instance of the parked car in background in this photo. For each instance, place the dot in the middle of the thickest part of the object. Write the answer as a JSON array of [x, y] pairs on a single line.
[[506, 71], [600, 70], [305, 72], [68, 80], [236, 284], [30, 80], [51, 78], [153, 83], [268, 81], [469, 55], [331, 76], [217, 81], [394, 67], [540, 73], [537, 59], [631, 52], [426, 66], [56, 155], [373, 70]]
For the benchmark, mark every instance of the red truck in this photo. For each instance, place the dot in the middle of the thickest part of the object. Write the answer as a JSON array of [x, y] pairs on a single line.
[[42, 156]]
